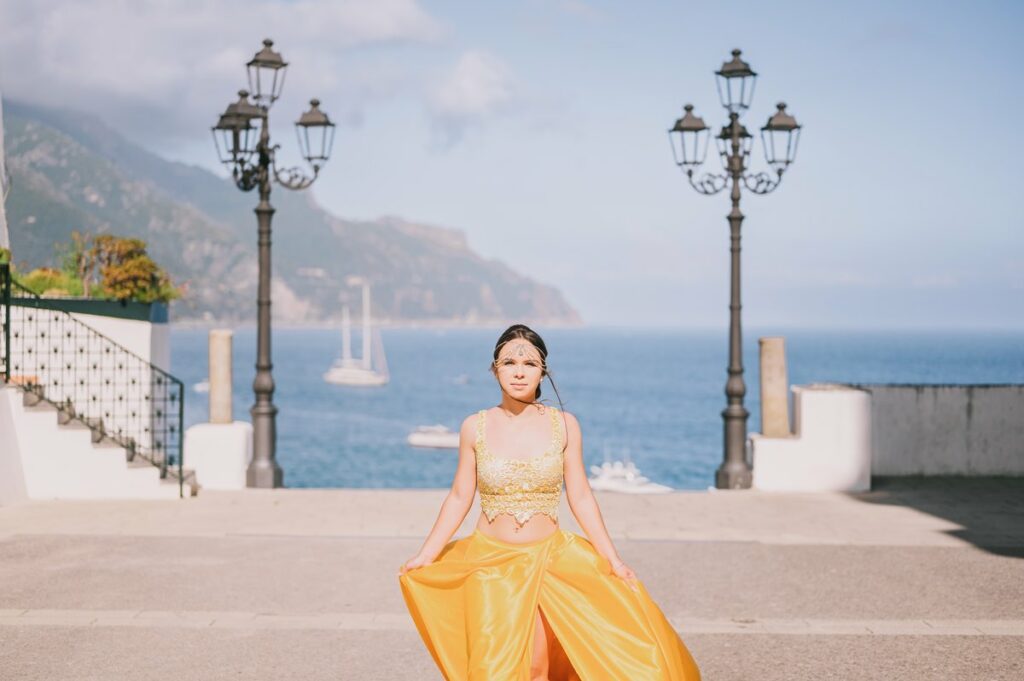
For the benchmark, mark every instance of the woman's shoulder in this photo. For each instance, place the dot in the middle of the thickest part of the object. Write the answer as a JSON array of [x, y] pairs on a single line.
[[570, 419], [472, 417], [470, 422], [570, 424]]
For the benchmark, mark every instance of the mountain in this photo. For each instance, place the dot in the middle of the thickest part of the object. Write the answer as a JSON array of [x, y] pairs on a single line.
[[70, 171]]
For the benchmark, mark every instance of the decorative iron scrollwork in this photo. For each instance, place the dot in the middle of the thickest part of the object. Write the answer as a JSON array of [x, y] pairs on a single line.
[[708, 183], [294, 178], [762, 182]]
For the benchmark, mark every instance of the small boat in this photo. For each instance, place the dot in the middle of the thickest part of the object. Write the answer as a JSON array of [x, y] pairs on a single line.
[[616, 476], [347, 370], [202, 386], [435, 437]]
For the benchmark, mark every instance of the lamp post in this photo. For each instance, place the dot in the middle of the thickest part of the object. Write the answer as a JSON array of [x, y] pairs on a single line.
[[689, 139], [242, 137]]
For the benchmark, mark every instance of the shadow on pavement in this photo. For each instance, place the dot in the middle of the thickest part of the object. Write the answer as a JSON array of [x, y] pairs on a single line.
[[989, 510]]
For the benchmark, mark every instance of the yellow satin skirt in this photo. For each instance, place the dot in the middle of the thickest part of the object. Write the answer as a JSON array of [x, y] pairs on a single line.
[[475, 607]]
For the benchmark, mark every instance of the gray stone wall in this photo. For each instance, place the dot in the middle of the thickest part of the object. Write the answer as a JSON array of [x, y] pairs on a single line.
[[947, 429]]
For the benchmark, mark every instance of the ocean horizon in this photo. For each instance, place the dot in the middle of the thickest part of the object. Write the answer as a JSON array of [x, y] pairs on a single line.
[[652, 395]]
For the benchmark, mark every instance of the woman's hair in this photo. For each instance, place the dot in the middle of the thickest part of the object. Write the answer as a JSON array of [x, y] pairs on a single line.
[[524, 332]]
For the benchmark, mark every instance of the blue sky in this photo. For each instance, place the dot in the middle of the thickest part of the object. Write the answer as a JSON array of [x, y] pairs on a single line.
[[538, 128]]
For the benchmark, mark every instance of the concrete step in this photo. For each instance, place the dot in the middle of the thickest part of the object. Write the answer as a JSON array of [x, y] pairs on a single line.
[[31, 397], [35, 403]]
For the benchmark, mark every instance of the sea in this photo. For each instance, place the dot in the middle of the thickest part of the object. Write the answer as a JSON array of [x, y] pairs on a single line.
[[651, 396]]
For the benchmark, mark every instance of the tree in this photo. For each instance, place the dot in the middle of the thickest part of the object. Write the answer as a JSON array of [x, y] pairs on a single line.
[[127, 272], [79, 261]]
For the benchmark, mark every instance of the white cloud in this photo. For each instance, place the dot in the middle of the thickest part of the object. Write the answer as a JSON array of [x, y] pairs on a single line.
[[477, 88], [157, 68]]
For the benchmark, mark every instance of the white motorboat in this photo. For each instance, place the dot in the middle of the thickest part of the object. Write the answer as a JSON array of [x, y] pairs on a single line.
[[436, 437], [202, 386], [616, 476], [347, 370]]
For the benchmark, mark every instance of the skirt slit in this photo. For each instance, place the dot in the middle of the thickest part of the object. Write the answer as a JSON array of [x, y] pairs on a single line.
[[559, 665]]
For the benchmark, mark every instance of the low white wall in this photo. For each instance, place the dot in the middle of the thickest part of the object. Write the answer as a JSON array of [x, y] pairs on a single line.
[[219, 453], [829, 450], [947, 429], [12, 476]]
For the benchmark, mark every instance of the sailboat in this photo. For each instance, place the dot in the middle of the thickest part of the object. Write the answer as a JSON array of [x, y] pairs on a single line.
[[348, 370]]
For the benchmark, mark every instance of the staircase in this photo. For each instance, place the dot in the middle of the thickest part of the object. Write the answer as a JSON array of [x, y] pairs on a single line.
[[66, 458], [87, 418]]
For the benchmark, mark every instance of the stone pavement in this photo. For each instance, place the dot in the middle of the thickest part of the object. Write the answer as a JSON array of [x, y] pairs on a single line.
[[919, 579]]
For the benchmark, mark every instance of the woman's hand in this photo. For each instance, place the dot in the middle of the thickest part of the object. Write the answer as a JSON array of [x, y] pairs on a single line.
[[413, 563], [625, 573]]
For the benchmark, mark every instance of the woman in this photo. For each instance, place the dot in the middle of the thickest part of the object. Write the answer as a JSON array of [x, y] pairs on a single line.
[[521, 599]]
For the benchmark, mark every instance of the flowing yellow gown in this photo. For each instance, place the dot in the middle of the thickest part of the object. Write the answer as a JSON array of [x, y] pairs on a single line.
[[475, 606]]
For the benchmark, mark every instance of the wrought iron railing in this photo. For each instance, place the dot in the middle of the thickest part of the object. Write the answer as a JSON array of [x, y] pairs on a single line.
[[90, 378]]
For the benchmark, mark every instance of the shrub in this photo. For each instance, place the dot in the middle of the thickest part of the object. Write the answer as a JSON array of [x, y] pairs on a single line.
[[116, 268], [48, 281]]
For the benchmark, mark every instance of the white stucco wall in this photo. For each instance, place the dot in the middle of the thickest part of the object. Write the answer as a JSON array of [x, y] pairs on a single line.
[[12, 475], [829, 450], [947, 429]]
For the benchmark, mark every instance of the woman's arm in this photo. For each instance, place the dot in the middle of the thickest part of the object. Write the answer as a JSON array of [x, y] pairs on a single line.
[[459, 500], [581, 497]]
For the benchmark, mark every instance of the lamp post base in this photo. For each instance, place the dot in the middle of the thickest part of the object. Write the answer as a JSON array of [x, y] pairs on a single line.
[[735, 472], [264, 476], [733, 477], [263, 471]]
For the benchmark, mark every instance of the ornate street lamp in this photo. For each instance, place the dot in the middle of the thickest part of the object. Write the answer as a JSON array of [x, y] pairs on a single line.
[[779, 136], [242, 138]]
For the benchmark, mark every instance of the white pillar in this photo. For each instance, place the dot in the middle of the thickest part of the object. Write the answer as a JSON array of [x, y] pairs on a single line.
[[220, 376], [774, 388]]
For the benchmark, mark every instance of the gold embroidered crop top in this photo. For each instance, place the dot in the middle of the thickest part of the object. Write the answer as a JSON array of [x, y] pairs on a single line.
[[519, 487]]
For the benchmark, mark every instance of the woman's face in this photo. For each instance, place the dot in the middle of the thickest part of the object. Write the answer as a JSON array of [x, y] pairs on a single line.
[[519, 369]]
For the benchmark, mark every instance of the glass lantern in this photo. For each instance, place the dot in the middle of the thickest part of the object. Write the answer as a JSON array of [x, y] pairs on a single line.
[[690, 144], [316, 134], [780, 137], [735, 81], [266, 73]]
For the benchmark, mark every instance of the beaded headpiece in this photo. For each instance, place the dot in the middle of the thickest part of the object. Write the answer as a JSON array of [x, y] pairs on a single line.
[[521, 349]]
